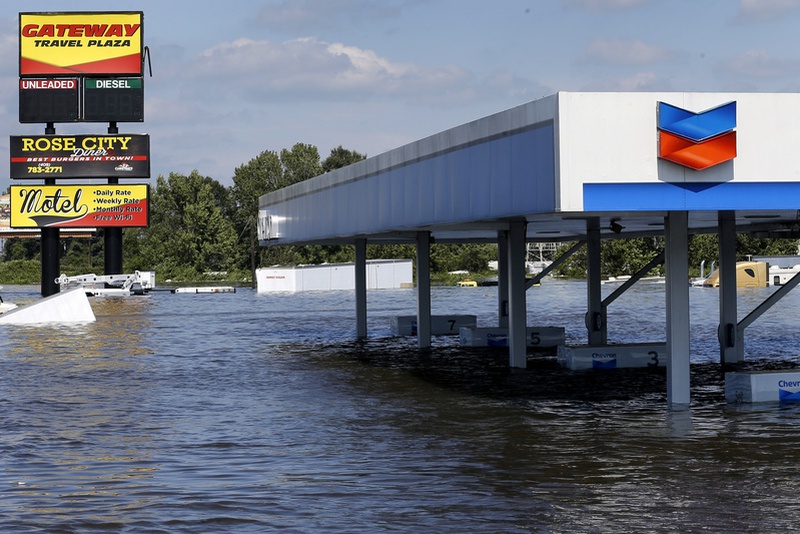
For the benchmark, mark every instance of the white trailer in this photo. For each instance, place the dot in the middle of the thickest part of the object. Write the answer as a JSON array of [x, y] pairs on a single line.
[[381, 274]]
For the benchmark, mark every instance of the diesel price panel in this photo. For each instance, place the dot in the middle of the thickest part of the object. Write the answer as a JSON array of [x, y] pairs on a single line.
[[43, 100]]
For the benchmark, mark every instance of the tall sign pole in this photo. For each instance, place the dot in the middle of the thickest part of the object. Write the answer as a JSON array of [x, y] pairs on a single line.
[[80, 67], [50, 240], [113, 236]]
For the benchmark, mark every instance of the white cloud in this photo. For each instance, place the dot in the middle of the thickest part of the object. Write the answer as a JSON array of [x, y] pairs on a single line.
[[303, 15], [641, 81], [763, 10], [367, 61], [256, 69], [603, 5], [9, 49], [759, 64], [622, 52], [513, 87]]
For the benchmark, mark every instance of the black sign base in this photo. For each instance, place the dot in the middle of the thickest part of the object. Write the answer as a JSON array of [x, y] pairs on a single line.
[[50, 261]]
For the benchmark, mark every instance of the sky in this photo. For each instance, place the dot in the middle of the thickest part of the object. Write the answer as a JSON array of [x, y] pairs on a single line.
[[231, 79]]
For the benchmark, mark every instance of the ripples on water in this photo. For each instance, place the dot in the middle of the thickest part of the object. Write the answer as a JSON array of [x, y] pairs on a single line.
[[247, 413]]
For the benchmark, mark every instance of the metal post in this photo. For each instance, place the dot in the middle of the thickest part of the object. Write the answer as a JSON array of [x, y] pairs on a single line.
[[518, 310], [361, 288], [50, 241], [50, 260], [113, 249], [729, 349], [502, 279], [424, 289], [113, 235], [677, 281], [595, 314]]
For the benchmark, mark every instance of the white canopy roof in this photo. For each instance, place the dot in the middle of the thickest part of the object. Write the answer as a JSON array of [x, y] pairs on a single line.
[[555, 162]]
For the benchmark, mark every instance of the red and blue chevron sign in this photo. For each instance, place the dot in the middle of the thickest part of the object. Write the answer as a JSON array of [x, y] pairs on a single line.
[[697, 140]]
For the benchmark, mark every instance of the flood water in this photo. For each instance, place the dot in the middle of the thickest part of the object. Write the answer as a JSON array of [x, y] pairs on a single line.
[[258, 413]]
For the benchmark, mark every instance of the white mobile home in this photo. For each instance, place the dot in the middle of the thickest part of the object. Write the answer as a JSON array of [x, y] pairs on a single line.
[[381, 274]]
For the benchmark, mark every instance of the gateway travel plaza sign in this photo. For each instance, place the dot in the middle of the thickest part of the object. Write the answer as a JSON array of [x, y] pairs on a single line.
[[80, 67], [69, 44]]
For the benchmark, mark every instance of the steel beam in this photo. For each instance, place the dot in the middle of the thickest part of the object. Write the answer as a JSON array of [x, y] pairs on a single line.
[[361, 287], [677, 278], [424, 290]]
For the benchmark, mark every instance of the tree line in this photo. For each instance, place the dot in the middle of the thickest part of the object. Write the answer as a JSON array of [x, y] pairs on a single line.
[[628, 256], [200, 229]]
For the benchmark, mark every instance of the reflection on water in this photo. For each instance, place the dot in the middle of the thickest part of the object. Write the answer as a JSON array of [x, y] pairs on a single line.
[[251, 413], [71, 427]]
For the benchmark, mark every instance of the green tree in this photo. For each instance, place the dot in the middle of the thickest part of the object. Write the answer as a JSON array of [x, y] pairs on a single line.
[[300, 163], [472, 257], [617, 257], [189, 231], [260, 175], [706, 247], [20, 271], [702, 247], [341, 157], [17, 248], [391, 252], [628, 256], [82, 256], [747, 245]]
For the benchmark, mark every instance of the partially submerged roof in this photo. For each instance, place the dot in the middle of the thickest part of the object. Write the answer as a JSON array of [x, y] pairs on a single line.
[[625, 158]]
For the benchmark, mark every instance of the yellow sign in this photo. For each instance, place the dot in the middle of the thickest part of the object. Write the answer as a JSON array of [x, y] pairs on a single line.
[[65, 206], [7, 231], [80, 43]]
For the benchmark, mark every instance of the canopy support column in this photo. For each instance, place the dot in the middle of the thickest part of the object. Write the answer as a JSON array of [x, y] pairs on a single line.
[[728, 350], [361, 288], [502, 279], [50, 261], [424, 290], [596, 313], [518, 310], [676, 226]]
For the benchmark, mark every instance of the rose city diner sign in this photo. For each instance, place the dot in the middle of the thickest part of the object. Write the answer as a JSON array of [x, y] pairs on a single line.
[[80, 156], [65, 206], [80, 43]]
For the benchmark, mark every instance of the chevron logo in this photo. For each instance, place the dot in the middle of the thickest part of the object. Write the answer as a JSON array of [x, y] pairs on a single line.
[[697, 140], [787, 395]]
